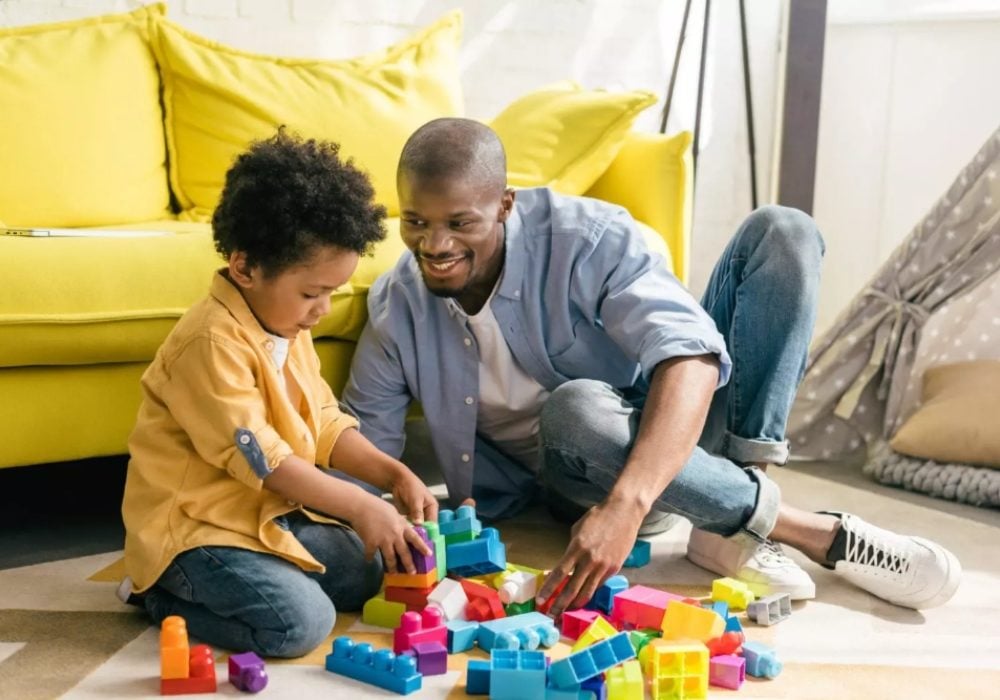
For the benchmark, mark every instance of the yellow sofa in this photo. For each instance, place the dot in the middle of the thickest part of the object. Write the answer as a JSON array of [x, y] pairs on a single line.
[[129, 122]]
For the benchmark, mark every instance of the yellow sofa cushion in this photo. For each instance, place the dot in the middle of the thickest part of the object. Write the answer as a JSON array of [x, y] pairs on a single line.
[[218, 99], [564, 137], [81, 130]]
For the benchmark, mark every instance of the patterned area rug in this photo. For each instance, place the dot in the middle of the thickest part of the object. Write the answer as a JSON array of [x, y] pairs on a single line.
[[64, 634]]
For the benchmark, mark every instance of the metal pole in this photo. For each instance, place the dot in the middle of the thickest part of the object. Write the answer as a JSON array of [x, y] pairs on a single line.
[[749, 104], [701, 90], [673, 71]]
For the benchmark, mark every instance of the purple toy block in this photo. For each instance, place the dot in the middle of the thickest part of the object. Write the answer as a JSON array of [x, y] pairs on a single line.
[[727, 671], [247, 672], [432, 658], [423, 562]]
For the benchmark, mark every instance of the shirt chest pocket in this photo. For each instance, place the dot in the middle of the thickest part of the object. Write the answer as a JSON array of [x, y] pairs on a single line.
[[590, 353]]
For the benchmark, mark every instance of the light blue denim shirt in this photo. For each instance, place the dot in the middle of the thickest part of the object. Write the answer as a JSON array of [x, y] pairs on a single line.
[[581, 296]]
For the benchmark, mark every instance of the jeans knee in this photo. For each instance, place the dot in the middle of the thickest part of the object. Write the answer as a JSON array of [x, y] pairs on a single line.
[[566, 406], [790, 233], [306, 624]]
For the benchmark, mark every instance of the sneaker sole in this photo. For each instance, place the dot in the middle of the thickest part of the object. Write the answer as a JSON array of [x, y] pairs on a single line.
[[951, 584], [800, 592]]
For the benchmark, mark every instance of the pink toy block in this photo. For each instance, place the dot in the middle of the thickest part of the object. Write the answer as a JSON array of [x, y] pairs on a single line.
[[574, 622], [641, 607], [247, 672], [414, 627], [727, 671], [432, 658]]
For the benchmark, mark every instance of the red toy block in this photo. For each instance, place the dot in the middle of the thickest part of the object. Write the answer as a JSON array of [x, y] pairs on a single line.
[[574, 622], [202, 679], [484, 602], [544, 607], [641, 607], [426, 626], [728, 643], [413, 598]]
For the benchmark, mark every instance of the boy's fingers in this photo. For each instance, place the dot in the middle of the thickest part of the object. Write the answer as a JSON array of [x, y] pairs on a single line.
[[469, 502], [403, 557], [389, 558], [411, 537], [431, 509]]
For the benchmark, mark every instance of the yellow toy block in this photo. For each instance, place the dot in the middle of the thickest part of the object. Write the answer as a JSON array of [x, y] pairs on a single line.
[[175, 653], [676, 670], [736, 594], [412, 580], [625, 682], [597, 630], [382, 613], [683, 621]]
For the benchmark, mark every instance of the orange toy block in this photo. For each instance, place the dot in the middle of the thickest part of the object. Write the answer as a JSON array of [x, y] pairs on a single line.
[[202, 678], [411, 580], [174, 652]]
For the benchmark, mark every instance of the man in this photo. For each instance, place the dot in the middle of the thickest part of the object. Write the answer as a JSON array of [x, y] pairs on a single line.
[[553, 353]]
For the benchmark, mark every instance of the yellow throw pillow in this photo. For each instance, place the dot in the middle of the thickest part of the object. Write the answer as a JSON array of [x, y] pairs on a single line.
[[957, 420], [565, 137], [81, 130], [218, 99]]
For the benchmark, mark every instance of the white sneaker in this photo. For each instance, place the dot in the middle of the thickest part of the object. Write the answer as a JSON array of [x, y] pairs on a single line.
[[125, 594], [765, 568], [908, 571]]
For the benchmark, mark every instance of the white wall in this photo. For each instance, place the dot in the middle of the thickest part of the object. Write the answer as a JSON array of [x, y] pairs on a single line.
[[513, 46], [910, 93]]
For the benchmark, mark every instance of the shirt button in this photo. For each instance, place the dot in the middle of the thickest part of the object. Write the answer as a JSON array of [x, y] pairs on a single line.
[[468, 342], [244, 439], [468, 400], [465, 457], [269, 345], [517, 294]]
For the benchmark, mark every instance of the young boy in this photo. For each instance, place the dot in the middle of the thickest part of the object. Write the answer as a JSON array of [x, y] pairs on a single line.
[[235, 417]]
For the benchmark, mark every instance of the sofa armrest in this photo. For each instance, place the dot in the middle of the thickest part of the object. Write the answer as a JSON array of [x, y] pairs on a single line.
[[652, 177]]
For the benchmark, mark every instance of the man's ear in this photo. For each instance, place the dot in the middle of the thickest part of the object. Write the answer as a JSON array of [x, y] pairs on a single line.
[[239, 271], [506, 204]]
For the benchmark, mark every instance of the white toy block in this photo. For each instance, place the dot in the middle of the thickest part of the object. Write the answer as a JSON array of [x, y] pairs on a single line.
[[449, 597], [518, 587]]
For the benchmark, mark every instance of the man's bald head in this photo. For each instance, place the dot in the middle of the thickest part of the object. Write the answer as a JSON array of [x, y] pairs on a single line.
[[455, 148]]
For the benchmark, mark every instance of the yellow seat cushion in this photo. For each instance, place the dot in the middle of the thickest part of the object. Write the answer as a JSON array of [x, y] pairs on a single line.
[[81, 129], [564, 137], [218, 99]]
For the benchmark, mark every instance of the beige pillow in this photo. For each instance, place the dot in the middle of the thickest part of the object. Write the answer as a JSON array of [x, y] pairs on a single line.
[[959, 418]]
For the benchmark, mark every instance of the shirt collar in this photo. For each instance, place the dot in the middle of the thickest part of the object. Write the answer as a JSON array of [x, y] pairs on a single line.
[[515, 257], [226, 293]]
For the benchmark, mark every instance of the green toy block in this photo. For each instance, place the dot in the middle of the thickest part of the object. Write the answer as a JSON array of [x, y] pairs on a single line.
[[382, 613], [519, 608], [440, 548]]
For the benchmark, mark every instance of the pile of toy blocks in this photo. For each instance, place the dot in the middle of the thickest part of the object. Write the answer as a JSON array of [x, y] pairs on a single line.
[[186, 670], [625, 641]]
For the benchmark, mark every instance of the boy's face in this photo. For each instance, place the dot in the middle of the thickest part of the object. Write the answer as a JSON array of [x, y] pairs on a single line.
[[296, 298], [454, 229]]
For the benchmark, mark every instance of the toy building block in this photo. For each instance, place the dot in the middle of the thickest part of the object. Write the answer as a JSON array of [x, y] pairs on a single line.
[[587, 663], [381, 668], [449, 597], [461, 635], [483, 555], [440, 548], [527, 631], [484, 603], [595, 685], [414, 627], [625, 682], [519, 608], [201, 678], [517, 587], [432, 658], [640, 638], [728, 643], [727, 671], [676, 670], [575, 693], [683, 621], [761, 661], [175, 654], [574, 622], [247, 672], [477, 677], [770, 610], [604, 596], [425, 580], [720, 607], [639, 556], [599, 629], [517, 675], [459, 525], [544, 607], [733, 624], [735, 593], [412, 598], [382, 613], [641, 607], [422, 562]]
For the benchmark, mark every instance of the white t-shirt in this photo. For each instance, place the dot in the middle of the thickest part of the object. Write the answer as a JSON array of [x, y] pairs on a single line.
[[510, 400], [279, 353]]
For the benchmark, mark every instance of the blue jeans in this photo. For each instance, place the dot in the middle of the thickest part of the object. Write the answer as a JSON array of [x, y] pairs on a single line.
[[762, 296], [250, 601]]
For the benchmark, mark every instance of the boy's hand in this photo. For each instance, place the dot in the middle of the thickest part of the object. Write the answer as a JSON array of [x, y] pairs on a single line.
[[382, 528], [413, 498]]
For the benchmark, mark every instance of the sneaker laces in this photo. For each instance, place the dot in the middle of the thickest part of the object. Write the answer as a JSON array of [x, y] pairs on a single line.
[[872, 551], [771, 554]]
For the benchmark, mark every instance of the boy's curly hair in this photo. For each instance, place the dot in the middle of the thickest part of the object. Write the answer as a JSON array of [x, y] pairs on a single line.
[[286, 195]]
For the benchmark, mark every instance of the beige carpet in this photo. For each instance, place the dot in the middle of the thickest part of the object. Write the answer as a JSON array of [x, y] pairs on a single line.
[[64, 634]]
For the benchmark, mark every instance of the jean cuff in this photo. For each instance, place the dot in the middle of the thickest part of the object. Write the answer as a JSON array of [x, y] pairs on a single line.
[[745, 451], [765, 512]]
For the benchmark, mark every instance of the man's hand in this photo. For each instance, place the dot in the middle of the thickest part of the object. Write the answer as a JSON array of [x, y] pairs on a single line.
[[601, 541], [382, 528], [413, 498]]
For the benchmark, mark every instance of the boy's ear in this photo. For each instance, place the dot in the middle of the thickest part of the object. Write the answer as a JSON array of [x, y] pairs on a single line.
[[239, 271]]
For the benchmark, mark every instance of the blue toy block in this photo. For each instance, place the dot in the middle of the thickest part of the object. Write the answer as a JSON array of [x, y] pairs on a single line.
[[719, 606], [604, 597], [597, 686], [525, 631], [517, 675], [639, 556], [459, 525], [381, 668], [484, 555], [733, 625], [477, 677], [761, 660], [595, 659], [461, 635], [574, 693]]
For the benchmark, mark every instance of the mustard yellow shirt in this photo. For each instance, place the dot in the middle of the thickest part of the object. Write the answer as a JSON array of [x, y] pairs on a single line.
[[215, 419]]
